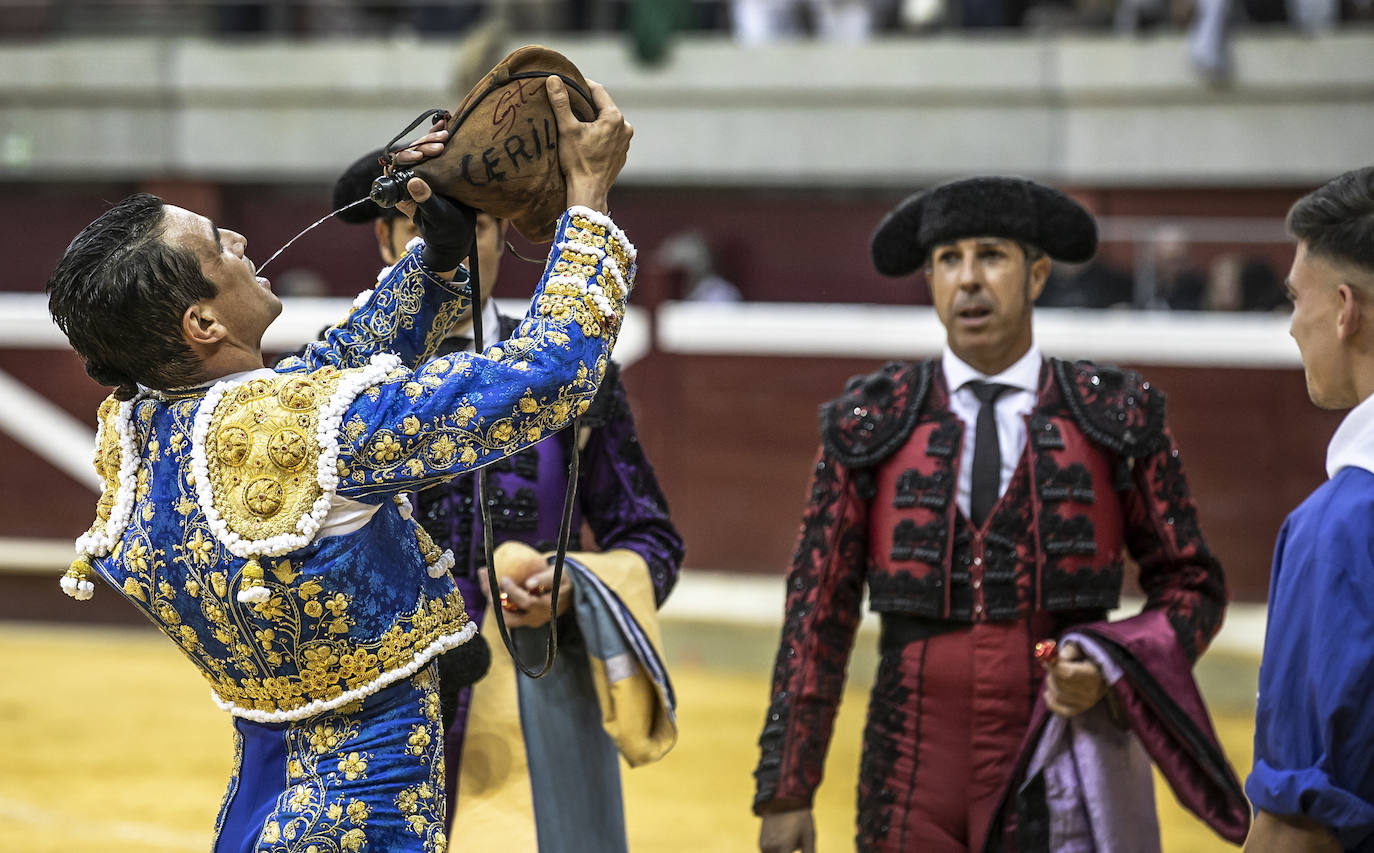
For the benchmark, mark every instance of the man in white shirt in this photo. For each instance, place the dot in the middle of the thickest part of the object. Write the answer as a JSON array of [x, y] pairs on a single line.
[[986, 498]]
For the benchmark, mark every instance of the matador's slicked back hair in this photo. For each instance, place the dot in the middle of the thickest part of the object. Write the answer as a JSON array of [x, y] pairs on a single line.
[[119, 293]]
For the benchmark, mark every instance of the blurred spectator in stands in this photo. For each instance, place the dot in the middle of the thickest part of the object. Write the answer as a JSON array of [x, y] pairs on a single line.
[[453, 16], [688, 255], [982, 14], [1261, 289], [1223, 285], [1096, 284], [1167, 278], [762, 21], [1054, 15], [311, 17], [1244, 283]]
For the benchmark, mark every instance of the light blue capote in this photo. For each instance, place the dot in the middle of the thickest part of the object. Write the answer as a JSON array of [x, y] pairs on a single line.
[[1314, 732], [342, 605]]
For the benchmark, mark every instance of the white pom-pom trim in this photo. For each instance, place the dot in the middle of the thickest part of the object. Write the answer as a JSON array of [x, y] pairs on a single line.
[[581, 248], [81, 590], [326, 474], [422, 657], [441, 566], [254, 595], [611, 228]]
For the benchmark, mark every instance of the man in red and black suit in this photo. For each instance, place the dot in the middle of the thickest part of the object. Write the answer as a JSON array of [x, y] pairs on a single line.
[[990, 499]]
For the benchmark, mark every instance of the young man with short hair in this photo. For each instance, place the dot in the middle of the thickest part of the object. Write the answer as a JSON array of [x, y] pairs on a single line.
[[1312, 784]]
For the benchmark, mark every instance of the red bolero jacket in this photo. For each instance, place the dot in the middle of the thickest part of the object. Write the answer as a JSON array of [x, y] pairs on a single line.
[[1101, 480]]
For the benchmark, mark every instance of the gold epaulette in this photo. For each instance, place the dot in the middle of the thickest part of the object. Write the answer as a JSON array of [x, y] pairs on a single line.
[[116, 463], [264, 453]]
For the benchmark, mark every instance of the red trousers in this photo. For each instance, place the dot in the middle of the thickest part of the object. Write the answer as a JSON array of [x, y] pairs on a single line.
[[945, 720]]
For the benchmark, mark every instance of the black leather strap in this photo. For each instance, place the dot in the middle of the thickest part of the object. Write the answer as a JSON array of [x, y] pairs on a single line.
[[489, 538]]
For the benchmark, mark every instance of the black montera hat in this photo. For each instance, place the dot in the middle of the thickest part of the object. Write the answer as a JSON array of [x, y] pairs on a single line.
[[1011, 208], [356, 183]]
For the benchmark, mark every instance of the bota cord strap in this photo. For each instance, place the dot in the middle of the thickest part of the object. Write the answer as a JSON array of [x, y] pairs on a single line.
[[489, 540], [435, 115]]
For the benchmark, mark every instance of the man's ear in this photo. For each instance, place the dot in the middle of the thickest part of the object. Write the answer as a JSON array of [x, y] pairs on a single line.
[[1039, 274], [1348, 319], [382, 228], [200, 326]]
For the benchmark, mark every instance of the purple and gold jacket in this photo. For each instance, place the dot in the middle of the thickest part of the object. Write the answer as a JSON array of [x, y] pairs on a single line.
[[1100, 479]]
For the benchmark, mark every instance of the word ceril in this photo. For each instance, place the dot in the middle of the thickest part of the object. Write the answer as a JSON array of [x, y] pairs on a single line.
[[519, 149]]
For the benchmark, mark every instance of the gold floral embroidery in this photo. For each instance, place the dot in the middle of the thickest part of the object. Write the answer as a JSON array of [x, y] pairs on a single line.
[[353, 767], [231, 789], [422, 805], [464, 438], [328, 662], [199, 547], [354, 428]]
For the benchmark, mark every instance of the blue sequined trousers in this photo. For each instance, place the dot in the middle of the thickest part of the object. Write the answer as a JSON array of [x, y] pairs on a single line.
[[368, 777]]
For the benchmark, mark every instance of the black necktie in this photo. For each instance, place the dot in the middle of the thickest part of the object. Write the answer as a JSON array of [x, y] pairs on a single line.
[[987, 454]]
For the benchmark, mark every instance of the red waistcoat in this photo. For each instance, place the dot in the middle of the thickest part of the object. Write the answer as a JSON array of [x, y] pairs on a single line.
[[1054, 541]]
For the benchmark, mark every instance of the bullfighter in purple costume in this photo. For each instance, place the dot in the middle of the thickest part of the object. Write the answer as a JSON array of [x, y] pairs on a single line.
[[988, 499], [618, 499]]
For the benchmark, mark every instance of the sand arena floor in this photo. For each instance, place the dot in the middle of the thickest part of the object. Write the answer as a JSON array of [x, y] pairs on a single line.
[[109, 742]]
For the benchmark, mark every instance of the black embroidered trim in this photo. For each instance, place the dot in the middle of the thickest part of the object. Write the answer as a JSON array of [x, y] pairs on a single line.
[[1061, 484], [524, 465], [903, 592], [1073, 535], [944, 439], [519, 511], [932, 492], [876, 414], [889, 705], [1124, 414], [1032, 816], [925, 543], [1088, 587], [1046, 433]]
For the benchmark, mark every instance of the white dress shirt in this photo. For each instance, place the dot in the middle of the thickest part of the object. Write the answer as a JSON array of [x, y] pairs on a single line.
[[1352, 445], [1010, 410]]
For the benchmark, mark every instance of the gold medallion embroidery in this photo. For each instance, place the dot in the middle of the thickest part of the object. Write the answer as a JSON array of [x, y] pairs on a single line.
[[262, 451]]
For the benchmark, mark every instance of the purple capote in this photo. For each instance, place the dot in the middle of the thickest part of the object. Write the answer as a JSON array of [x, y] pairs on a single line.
[[1152, 688]]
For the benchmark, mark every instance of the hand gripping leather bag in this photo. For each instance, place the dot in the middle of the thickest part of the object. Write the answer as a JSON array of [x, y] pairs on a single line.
[[502, 153]]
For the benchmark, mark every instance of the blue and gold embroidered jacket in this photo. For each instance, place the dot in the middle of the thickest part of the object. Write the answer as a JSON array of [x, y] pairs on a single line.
[[258, 522]]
